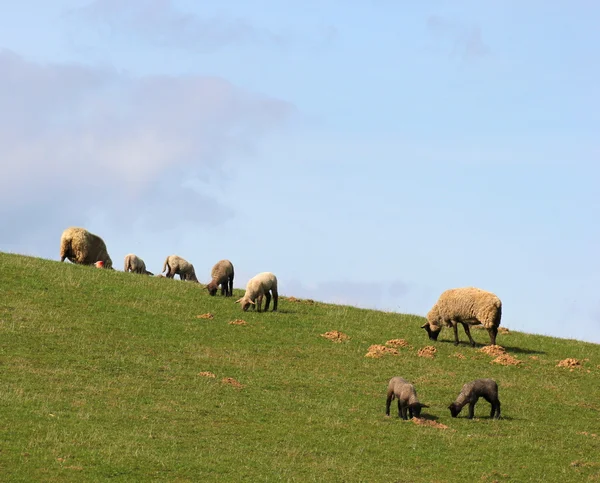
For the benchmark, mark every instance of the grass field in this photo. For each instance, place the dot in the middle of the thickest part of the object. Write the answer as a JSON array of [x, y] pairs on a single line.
[[101, 379]]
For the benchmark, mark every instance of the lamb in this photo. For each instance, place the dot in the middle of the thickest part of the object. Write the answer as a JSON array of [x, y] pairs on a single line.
[[178, 266], [221, 274], [135, 264], [406, 395], [470, 394], [82, 247], [467, 306], [258, 286]]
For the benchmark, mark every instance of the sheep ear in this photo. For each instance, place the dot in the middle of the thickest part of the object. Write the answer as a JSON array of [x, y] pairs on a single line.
[[425, 325], [424, 405], [237, 301], [251, 302]]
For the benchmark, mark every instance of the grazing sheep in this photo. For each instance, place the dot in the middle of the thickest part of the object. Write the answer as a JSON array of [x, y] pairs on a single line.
[[178, 266], [406, 395], [471, 392], [221, 274], [467, 306], [258, 286], [135, 264], [82, 247]]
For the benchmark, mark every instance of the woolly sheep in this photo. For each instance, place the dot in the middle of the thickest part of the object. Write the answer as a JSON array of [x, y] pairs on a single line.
[[406, 395], [258, 286], [135, 264], [82, 247], [470, 394], [221, 274], [467, 306], [178, 266]]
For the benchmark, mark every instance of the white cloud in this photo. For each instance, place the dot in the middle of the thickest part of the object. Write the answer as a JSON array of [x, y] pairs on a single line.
[[76, 140]]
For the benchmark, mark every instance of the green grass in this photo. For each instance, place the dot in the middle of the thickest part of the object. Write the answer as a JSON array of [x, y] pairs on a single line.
[[100, 380]]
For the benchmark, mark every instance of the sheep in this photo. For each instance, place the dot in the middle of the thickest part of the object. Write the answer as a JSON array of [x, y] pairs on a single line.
[[467, 306], [470, 394], [221, 274], [406, 395], [82, 247], [178, 266], [135, 264], [258, 286]]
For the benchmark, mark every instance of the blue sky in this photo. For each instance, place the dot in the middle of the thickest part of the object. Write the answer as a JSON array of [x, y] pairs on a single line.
[[373, 153]]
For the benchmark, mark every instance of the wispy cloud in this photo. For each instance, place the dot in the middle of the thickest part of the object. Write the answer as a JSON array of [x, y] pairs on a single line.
[[79, 140], [162, 23], [465, 41]]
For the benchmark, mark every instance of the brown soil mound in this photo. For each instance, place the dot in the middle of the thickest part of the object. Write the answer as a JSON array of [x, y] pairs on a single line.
[[206, 374], [293, 299], [493, 350], [458, 355], [238, 322], [534, 358], [397, 343], [569, 362], [205, 316], [429, 422], [428, 351], [506, 360], [376, 351], [335, 336], [503, 330], [232, 382]]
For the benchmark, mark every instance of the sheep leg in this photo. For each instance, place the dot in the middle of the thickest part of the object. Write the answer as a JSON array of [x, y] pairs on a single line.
[[472, 409], [468, 332], [496, 409], [275, 299], [493, 331], [230, 286], [455, 327], [388, 403], [259, 302], [401, 411], [268, 302], [223, 288]]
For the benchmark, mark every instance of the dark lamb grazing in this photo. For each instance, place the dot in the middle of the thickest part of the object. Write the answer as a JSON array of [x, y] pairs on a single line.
[[406, 395], [470, 394], [222, 274]]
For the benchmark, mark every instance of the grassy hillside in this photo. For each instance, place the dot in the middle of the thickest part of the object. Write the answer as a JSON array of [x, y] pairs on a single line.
[[100, 378]]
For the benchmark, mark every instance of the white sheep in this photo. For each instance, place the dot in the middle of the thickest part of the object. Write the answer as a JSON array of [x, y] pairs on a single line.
[[82, 247], [135, 264], [406, 395], [467, 306], [175, 265], [257, 287], [221, 274]]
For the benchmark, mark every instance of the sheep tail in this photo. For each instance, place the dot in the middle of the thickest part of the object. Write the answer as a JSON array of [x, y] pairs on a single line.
[[166, 265]]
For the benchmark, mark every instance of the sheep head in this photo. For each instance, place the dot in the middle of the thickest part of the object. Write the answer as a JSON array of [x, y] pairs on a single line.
[[432, 330], [212, 288], [416, 408], [454, 409], [245, 303]]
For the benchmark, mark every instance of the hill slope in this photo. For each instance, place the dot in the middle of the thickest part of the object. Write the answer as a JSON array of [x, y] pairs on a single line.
[[101, 378]]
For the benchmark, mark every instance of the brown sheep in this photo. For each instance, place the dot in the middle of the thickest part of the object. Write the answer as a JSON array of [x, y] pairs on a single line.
[[82, 247], [221, 274]]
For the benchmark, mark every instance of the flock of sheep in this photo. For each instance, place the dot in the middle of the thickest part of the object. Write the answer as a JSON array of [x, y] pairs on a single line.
[[466, 306]]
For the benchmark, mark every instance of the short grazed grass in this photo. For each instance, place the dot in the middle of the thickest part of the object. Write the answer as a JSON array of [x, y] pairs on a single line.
[[100, 379]]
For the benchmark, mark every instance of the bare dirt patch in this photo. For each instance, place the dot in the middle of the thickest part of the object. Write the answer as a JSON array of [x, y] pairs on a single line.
[[335, 336], [397, 343], [427, 351], [206, 374], [506, 360], [377, 350], [534, 358], [585, 433], [569, 362], [232, 382], [493, 350], [458, 355], [503, 330], [205, 316], [429, 422], [238, 322]]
